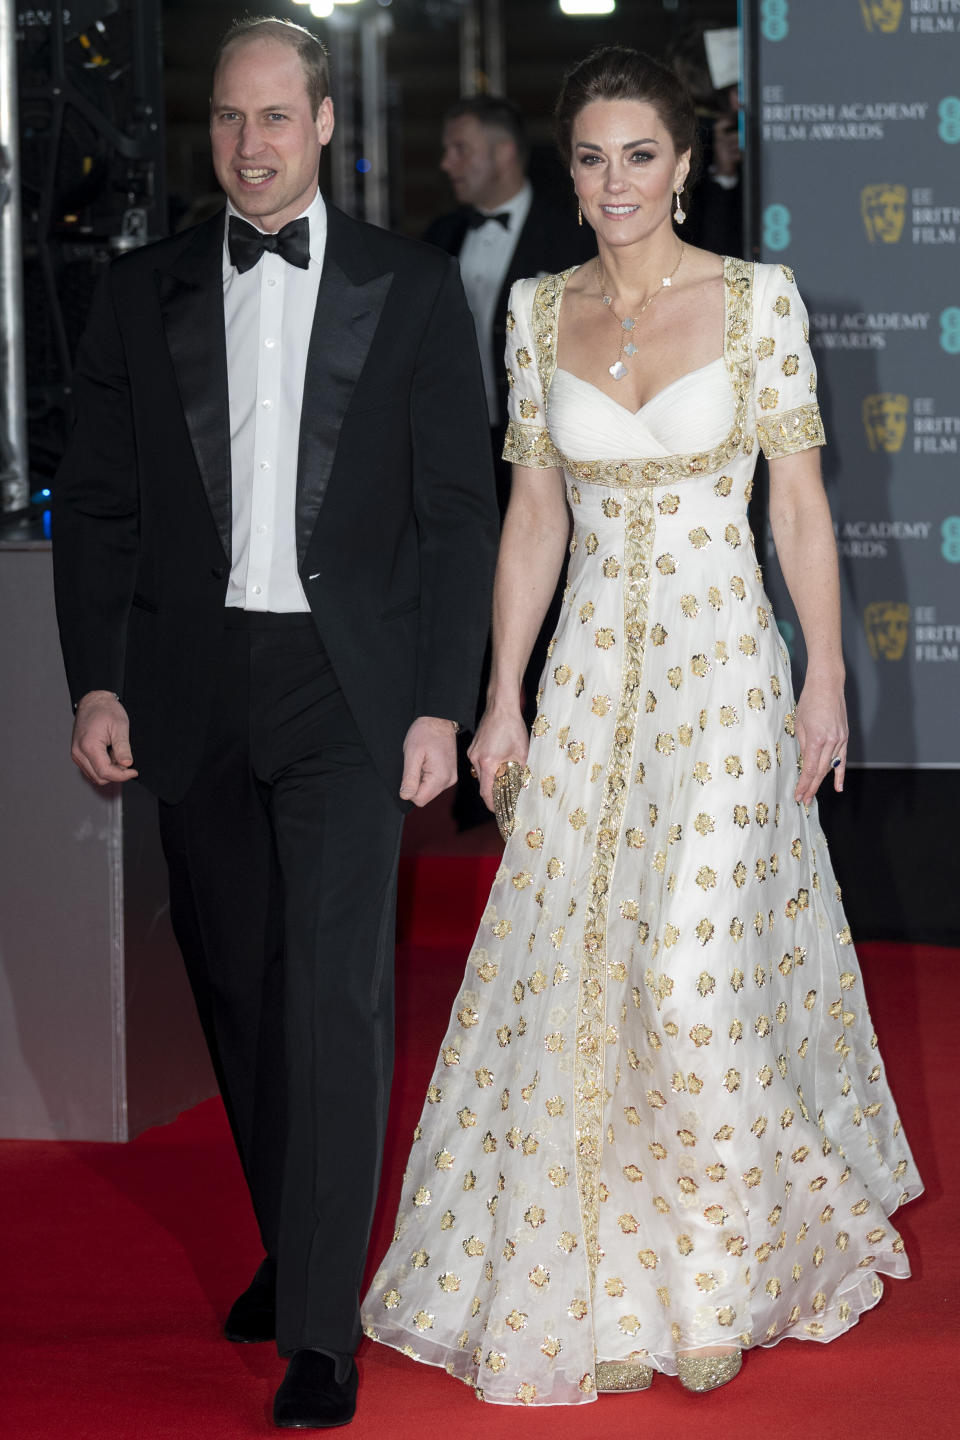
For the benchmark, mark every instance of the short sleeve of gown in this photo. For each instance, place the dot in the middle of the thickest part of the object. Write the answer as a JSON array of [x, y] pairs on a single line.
[[527, 440], [785, 389]]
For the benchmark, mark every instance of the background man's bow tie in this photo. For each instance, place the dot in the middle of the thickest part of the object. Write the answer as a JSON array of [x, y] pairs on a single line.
[[476, 218], [246, 243]]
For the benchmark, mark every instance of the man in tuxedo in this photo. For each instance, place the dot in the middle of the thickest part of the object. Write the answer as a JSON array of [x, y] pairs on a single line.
[[503, 231], [274, 539]]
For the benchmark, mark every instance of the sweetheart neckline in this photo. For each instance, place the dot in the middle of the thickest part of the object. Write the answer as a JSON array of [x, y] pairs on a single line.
[[720, 360]]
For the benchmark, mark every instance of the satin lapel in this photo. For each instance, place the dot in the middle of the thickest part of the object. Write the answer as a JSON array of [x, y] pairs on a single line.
[[191, 302], [344, 322]]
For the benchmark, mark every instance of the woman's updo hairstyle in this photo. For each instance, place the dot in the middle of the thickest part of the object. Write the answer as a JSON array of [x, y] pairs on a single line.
[[617, 72]]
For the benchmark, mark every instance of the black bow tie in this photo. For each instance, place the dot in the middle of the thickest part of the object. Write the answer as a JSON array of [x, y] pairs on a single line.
[[476, 218], [246, 243]]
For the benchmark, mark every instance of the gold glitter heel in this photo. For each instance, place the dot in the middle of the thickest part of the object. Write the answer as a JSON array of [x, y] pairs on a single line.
[[700, 1373], [619, 1375]]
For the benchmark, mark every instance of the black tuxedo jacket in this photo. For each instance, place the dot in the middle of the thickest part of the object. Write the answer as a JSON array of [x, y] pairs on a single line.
[[550, 241], [396, 522]]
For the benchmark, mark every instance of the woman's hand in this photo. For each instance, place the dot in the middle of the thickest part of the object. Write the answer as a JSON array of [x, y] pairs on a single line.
[[501, 736], [822, 732]]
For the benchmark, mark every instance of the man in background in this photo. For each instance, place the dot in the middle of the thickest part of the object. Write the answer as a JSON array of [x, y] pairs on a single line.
[[503, 231]]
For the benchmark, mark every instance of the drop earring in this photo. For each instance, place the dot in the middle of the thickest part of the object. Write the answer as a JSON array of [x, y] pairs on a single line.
[[579, 214], [679, 214]]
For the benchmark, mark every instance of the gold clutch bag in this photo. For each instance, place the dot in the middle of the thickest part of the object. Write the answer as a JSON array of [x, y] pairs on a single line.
[[506, 787]]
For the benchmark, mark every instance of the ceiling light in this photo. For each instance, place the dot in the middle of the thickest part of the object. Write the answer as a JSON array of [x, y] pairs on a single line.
[[588, 7]]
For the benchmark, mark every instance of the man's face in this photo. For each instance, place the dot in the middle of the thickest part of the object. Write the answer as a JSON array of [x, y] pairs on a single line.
[[471, 160], [266, 144]]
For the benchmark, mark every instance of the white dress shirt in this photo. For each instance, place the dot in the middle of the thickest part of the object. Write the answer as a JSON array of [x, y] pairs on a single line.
[[484, 257], [268, 313]]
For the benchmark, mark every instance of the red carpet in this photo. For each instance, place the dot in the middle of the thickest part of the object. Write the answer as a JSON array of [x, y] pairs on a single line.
[[121, 1261]]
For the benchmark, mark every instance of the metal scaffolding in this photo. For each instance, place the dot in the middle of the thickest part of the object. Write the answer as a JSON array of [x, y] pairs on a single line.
[[482, 48], [14, 472]]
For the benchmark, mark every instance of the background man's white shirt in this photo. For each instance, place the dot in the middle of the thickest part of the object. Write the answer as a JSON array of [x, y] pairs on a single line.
[[484, 258]]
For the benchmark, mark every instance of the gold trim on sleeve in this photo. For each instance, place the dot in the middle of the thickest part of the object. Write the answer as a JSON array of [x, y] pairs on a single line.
[[530, 445], [795, 430]]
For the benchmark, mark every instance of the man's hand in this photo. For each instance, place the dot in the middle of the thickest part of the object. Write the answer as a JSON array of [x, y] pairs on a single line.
[[429, 759], [101, 739]]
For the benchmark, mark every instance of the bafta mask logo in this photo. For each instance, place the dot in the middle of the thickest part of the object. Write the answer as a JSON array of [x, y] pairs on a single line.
[[887, 623], [882, 15], [883, 208], [885, 421]]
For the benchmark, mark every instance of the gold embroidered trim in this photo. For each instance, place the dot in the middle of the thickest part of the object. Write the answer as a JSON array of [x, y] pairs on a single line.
[[738, 278], [795, 430], [530, 445], [631, 473], [546, 308], [591, 1000]]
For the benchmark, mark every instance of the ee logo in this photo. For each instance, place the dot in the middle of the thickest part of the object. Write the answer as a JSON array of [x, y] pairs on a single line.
[[950, 530], [949, 127], [950, 330], [773, 19], [776, 227]]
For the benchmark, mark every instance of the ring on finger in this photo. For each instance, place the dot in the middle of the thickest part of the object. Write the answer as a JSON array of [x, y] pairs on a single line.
[[836, 762]]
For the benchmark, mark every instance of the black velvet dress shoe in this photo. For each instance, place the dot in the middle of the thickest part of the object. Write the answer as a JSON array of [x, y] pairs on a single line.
[[311, 1397], [253, 1315]]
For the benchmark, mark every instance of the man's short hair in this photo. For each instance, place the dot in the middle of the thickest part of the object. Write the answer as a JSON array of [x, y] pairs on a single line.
[[312, 52], [494, 112]]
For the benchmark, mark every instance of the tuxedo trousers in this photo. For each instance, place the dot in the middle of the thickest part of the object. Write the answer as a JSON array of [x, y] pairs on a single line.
[[283, 861]]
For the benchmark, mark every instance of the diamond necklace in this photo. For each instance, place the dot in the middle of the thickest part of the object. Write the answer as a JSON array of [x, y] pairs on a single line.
[[618, 370]]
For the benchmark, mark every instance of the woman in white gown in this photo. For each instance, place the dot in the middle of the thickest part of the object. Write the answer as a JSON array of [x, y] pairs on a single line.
[[658, 1132]]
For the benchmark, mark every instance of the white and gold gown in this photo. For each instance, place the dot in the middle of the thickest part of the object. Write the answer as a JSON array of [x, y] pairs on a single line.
[[659, 1118]]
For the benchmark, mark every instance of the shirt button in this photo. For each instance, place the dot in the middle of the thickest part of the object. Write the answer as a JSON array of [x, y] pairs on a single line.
[[271, 282], [264, 464], [261, 529], [267, 404], [256, 589], [269, 344]]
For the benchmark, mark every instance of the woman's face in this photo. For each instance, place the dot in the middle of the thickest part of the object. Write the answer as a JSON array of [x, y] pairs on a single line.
[[625, 169]]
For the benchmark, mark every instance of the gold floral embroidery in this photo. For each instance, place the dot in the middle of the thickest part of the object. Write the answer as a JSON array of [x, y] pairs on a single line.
[[794, 430], [530, 445], [591, 1002]]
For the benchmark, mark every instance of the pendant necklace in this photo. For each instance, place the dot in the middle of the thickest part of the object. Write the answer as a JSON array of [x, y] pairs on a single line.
[[618, 370]]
